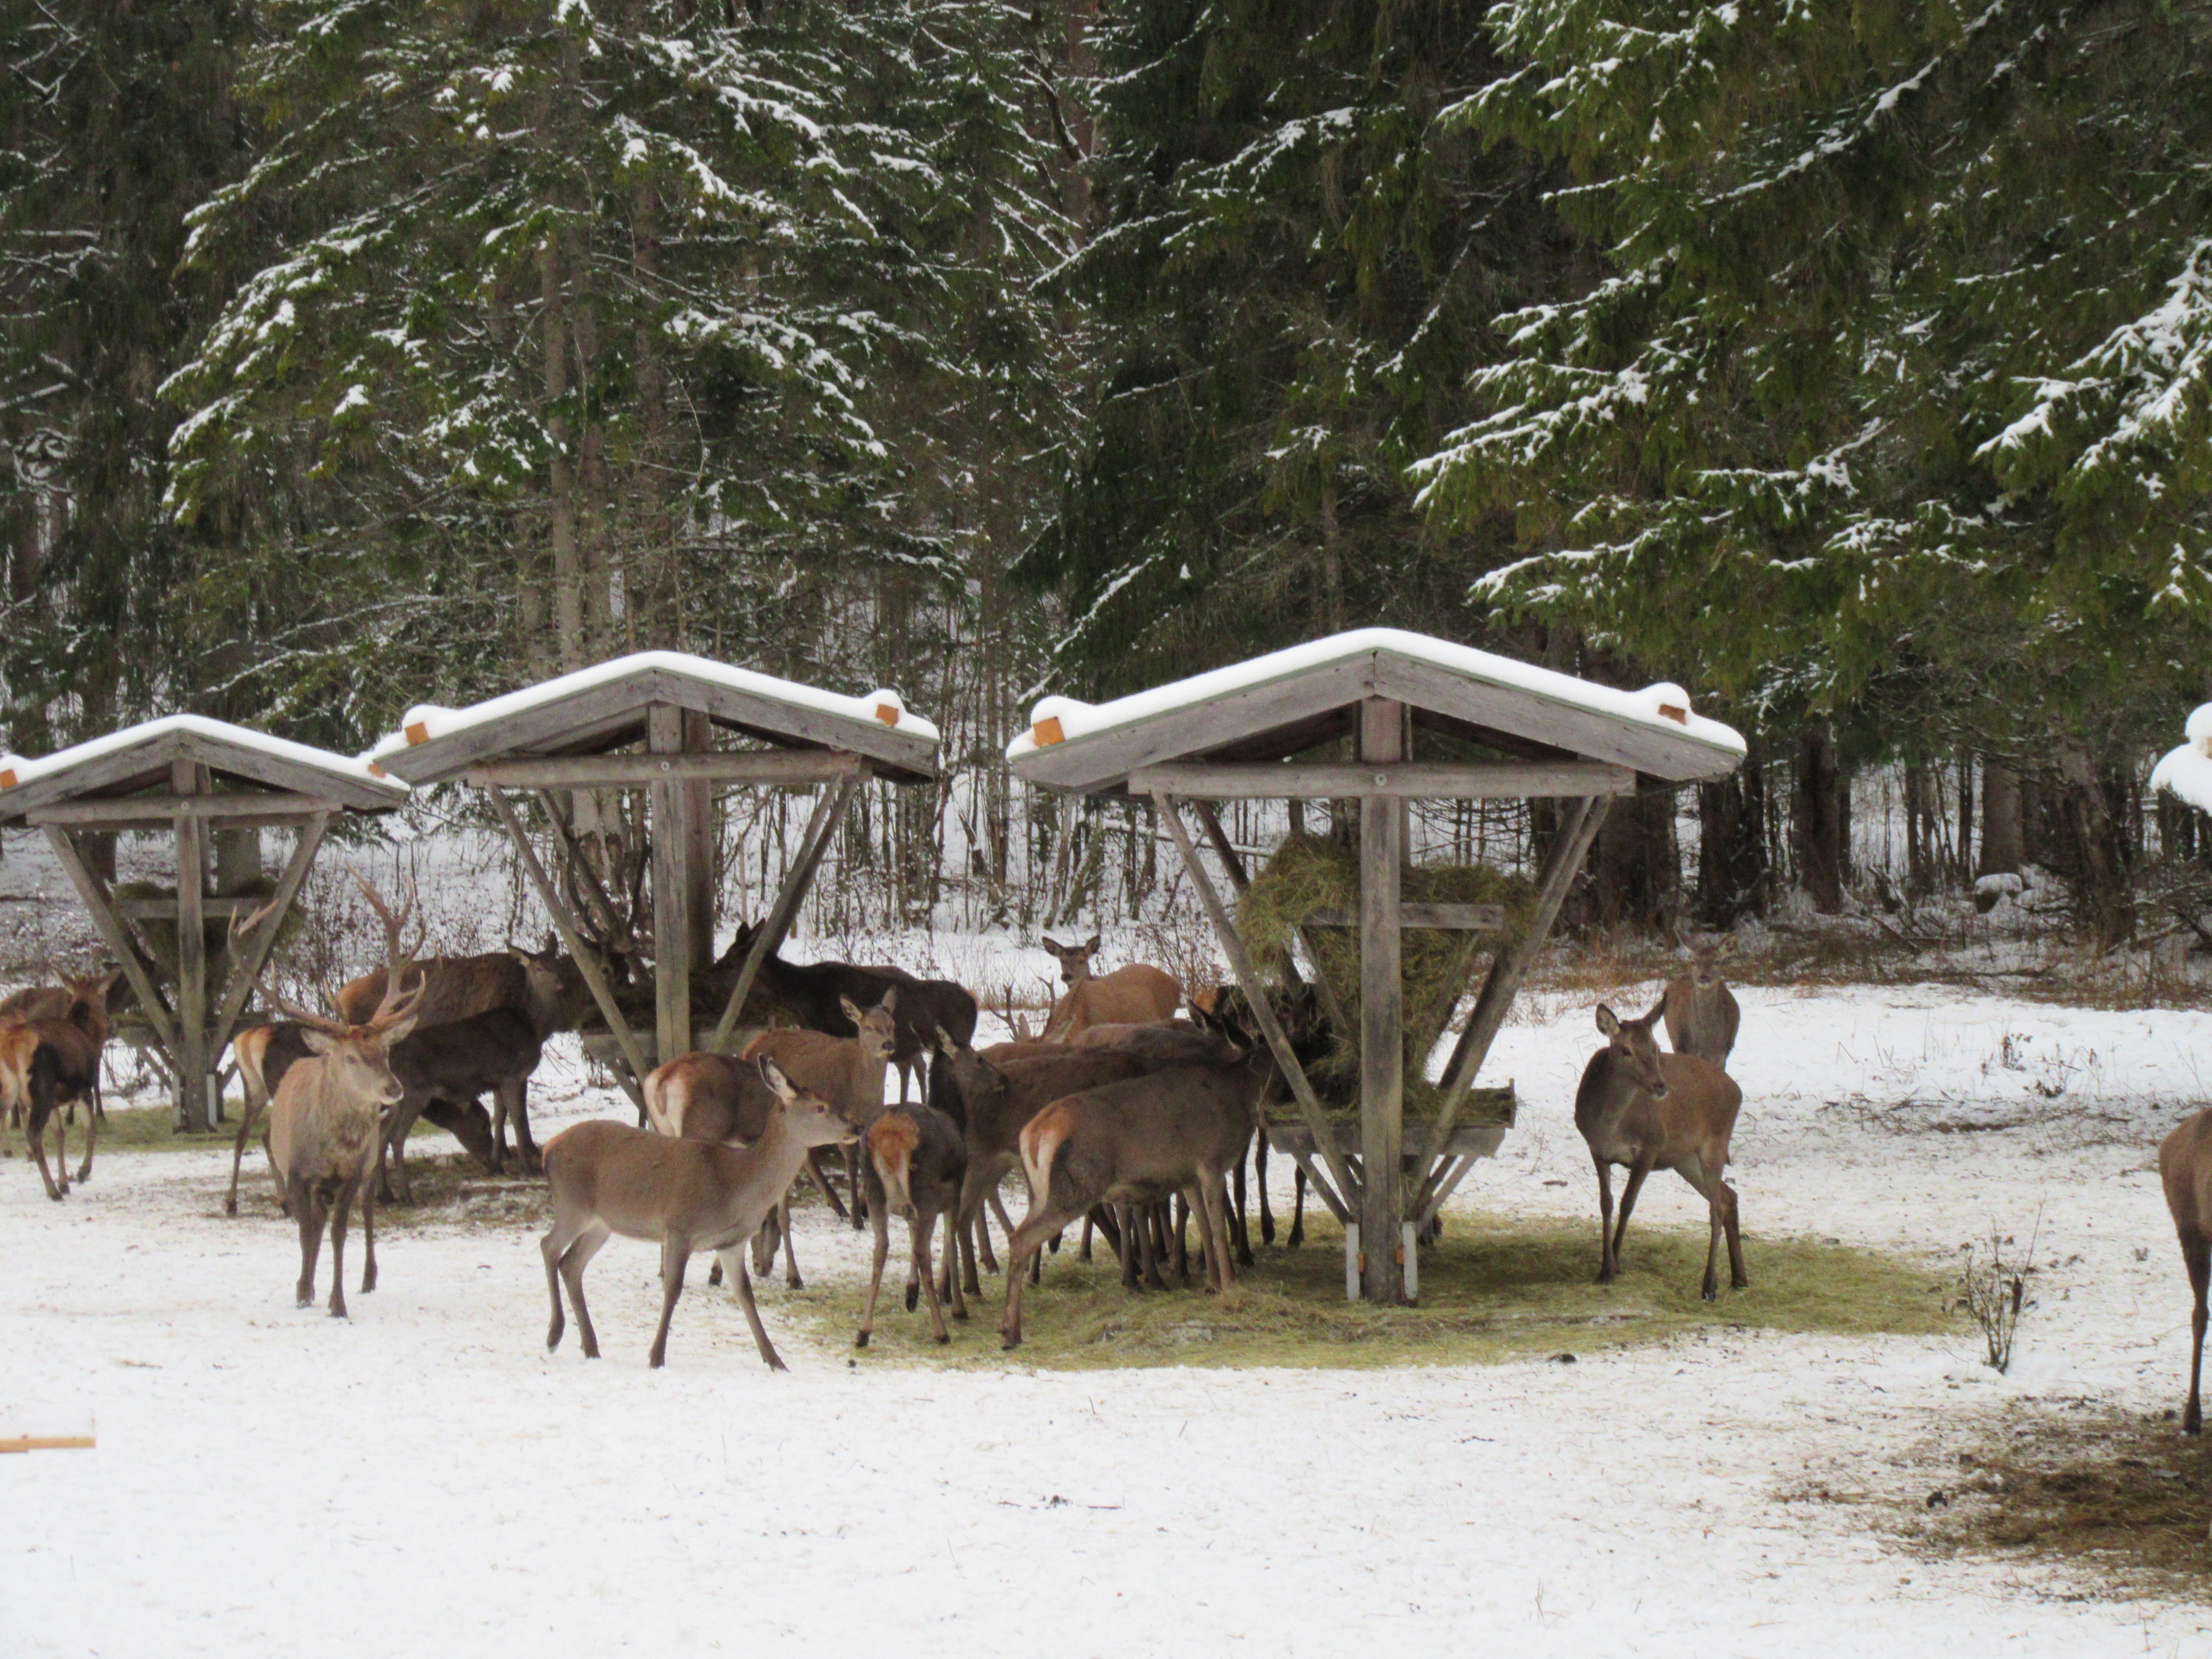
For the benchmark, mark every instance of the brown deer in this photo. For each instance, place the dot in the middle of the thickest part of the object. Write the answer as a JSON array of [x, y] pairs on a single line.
[[848, 1071], [52, 1063], [1138, 1141], [1646, 1110], [685, 1195], [2185, 1170], [914, 1158], [20, 1008], [1135, 995], [324, 1128], [1699, 1009]]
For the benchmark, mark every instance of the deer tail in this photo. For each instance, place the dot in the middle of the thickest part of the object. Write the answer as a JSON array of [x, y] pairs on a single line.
[[1042, 1140], [665, 1097], [893, 1139]]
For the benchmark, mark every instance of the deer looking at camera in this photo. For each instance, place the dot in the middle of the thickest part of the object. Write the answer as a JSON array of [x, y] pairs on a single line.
[[1647, 1110], [52, 1061], [1137, 994], [685, 1195], [1699, 1009], [325, 1124], [2185, 1170]]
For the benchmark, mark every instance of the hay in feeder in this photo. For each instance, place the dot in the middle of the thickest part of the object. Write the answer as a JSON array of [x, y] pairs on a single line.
[[160, 933], [1311, 873]]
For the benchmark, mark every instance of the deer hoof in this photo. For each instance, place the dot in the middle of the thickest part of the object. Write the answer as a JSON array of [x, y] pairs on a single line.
[[945, 1339], [913, 1297], [860, 1340]]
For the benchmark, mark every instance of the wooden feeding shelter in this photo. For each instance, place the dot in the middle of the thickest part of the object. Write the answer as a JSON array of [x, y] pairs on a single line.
[[195, 778], [1340, 719], [650, 720]]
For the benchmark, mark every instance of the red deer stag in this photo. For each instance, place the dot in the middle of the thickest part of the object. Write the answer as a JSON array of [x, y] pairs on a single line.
[[2185, 1170], [324, 1128], [685, 1195], [1137, 1142], [1699, 1009], [50, 1062], [1135, 995], [1646, 1110]]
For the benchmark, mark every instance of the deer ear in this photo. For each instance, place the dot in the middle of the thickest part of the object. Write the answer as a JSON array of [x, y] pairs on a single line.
[[778, 1084], [1051, 943], [1096, 940], [852, 1008], [396, 1034], [1726, 947], [944, 1043], [1607, 1021], [321, 1041]]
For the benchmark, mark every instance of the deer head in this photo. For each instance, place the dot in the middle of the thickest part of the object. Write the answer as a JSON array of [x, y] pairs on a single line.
[[1705, 955], [879, 1032], [805, 1114], [1634, 1047], [1074, 959]]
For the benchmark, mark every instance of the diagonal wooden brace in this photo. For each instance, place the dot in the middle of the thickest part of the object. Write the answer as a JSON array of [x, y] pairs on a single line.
[[247, 965], [813, 843], [99, 904]]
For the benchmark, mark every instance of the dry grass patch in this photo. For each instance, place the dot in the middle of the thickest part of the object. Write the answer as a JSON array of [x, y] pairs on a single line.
[[1494, 1289]]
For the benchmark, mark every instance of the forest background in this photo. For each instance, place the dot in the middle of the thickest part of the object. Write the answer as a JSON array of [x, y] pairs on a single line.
[[1850, 364]]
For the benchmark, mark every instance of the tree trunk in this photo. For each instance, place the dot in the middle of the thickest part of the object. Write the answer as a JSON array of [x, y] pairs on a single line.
[[2003, 847], [568, 573], [1819, 825], [1916, 882], [1633, 865], [1732, 859], [2096, 862]]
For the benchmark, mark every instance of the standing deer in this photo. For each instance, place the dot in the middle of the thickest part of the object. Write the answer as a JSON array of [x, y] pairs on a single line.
[[1138, 1141], [914, 1159], [848, 1071], [52, 1063], [685, 1195], [1135, 995], [2185, 1170], [326, 1125], [1647, 1111], [1698, 1007]]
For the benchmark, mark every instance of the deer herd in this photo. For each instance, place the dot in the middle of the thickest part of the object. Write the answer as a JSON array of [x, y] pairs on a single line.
[[1131, 1111]]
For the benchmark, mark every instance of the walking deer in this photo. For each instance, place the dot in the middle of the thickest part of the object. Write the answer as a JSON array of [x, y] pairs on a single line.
[[1646, 1110], [1138, 1141], [1135, 995], [50, 1062], [1699, 1009], [2185, 1170], [914, 1158], [326, 1125], [685, 1195]]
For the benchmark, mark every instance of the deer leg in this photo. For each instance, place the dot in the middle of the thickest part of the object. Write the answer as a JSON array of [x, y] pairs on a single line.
[[549, 1248], [92, 1117], [253, 1105], [307, 1205], [675, 1254], [1629, 1188], [1026, 1244], [1297, 1211], [878, 1215], [1606, 1266], [1175, 1214], [369, 1234], [574, 1260], [1083, 1249], [38, 1133], [1260, 1180], [852, 1184], [341, 1212], [998, 1206], [913, 1289], [923, 1230], [526, 1143], [949, 1291], [822, 1181], [1214, 1225], [781, 1222], [2196, 1254], [1237, 1217], [752, 1317], [1136, 1246]]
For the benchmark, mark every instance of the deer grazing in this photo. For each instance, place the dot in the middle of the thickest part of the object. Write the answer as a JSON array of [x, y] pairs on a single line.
[[685, 1195], [2185, 1170], [326, 1125], [1699, 1009], [1647, 1110], [1135, 995], [1137, 1141], [49, 1063], [817, 995], [914, 1158]]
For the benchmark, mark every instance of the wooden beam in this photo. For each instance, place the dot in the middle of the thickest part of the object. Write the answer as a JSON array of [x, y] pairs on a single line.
[[619, 771], [1426, 781], [251, 955], [1503, 982], [164, 910], [100, 906], [191, 830], [1381, 1009], [159, 811], [671, 917], [1466, 918], [1247, 978], [813, 843], [696, 798], [572, 941]]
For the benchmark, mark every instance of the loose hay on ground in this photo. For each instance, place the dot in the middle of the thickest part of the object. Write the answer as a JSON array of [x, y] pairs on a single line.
[[1494, 1289]]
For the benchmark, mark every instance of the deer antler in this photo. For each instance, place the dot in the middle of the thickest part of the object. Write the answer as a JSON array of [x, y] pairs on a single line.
[[394, 1006]]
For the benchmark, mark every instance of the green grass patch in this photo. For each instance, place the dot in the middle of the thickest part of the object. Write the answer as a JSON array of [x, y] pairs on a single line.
[[1495, 1288]]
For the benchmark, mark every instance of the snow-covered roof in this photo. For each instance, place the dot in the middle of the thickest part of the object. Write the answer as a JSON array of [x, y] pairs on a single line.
[[604, 707], [2186, 772], [139, 757], [1292, 693]]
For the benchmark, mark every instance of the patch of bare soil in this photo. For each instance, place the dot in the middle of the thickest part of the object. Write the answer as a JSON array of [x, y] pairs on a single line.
[[2121, 1502]]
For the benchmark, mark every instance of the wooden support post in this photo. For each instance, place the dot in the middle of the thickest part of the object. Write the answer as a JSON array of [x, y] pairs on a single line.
[[1247, 978], [1382, 1010], [572, 941], [250, 954], [100, 905], [672, 921], [821, 826], [191, 831], [697, 796], [1511, 966]]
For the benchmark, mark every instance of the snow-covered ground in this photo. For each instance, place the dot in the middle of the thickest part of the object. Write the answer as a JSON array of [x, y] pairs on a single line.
[[425, 1478]]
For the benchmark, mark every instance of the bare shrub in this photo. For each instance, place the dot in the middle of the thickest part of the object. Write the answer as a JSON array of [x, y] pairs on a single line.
[[1993, 1291]]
